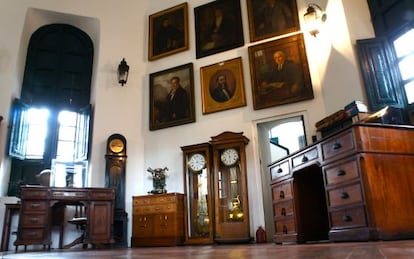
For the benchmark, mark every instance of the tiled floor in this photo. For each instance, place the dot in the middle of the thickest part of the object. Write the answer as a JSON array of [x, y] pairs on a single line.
[[365, 250]]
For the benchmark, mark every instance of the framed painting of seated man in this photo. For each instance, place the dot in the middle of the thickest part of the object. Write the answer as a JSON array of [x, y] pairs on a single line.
[[279, 72]]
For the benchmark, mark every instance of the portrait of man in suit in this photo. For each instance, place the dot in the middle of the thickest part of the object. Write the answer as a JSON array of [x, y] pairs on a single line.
[[218, 27]]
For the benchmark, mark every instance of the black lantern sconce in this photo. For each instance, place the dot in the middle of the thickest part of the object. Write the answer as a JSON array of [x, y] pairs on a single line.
[[123, 70], [314, 16]]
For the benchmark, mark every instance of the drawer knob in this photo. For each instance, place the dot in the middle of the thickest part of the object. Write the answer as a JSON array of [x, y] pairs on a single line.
[[305, 159], [279, 170], [347, 218], [337, 146], [285, 230], [282, 194], [344, 195], [283, 212], [341, 172]]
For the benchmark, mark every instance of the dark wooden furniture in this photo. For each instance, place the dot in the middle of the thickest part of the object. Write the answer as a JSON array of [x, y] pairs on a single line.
[[354, 185], [115, 173], [10, 209], [39, 203], [158, 220]]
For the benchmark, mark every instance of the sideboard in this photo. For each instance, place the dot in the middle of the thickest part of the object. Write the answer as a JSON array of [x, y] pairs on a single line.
[[37, 213], [355, 185], [158, 220]]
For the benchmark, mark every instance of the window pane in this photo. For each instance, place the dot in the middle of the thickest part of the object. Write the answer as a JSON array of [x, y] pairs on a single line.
[[409, 90], [405, 52], [404, 44], [67, 133], [406, 67], [37, 119], [66, 139], [67, 118]]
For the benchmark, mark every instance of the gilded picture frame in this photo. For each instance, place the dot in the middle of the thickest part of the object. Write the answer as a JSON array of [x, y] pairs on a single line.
[[222, 86], [279, 72], [172, 97], [168, 32], [270, 18], [218, 27]]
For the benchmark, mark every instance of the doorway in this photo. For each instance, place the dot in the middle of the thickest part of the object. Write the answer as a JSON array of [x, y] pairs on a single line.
[[277, 138]]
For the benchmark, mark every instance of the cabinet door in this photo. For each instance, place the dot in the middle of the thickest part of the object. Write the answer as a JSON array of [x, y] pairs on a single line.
[[164, 225], [143, 226], [100, 215]]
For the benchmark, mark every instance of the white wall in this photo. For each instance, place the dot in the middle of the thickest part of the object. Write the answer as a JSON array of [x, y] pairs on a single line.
[[119, 29]]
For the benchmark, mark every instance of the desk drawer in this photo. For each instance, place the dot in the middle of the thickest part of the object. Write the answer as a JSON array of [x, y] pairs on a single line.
[[151, 209], [342, 172], [69, 194], [305, 157], [34, 221], [279, 170], [345, 195], [33, 193], [282, 192], [338, 145], [35, 206], [353, 217], [286, 226], [283, 209], [145, 200], [33, 234], [103, 195]]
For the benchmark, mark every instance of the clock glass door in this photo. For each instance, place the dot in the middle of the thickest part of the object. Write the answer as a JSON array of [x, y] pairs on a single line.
[[229, 192], [198, 194], [198, 212]]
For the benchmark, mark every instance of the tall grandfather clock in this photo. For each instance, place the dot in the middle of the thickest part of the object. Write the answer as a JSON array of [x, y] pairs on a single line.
[[230, 188], [115, 169]]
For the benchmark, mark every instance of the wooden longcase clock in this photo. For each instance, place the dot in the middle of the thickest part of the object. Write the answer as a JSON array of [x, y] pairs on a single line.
[[115, 170], [230, 188], [198, 194]]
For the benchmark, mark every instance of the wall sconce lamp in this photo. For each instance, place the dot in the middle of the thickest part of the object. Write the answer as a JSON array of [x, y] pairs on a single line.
[[314, 16], [123, 70]]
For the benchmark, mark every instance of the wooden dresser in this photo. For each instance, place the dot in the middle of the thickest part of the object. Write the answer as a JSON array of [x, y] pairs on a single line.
[[355, 185], [40, 204], [158, 220]]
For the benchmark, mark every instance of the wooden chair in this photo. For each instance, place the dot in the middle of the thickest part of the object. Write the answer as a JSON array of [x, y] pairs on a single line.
[[79, 220]]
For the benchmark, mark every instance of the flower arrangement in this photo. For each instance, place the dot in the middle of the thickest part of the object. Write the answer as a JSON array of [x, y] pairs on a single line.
[[158, 179]]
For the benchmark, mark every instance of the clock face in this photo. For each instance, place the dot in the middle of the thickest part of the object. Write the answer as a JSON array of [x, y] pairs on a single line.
[[229, 156], [197, 162], [116, 145]]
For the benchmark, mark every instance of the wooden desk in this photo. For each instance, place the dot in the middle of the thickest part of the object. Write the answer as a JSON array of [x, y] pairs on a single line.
[[38, 204], [355, 185]]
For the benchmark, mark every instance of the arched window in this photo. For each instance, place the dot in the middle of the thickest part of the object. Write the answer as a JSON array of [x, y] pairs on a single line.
[[51, 121]]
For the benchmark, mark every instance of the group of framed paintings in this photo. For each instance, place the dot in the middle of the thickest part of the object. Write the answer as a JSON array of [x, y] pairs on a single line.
[[279, 69]]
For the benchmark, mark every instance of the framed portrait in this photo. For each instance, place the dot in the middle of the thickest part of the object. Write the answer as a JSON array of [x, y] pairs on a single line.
[[218, 27], [279, 72], [168, 32], [222, 86], [172, 97], [269, 18]]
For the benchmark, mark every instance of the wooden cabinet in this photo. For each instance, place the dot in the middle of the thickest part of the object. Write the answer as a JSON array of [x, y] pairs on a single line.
[[365, 175], [41, 207], [158, 220]]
